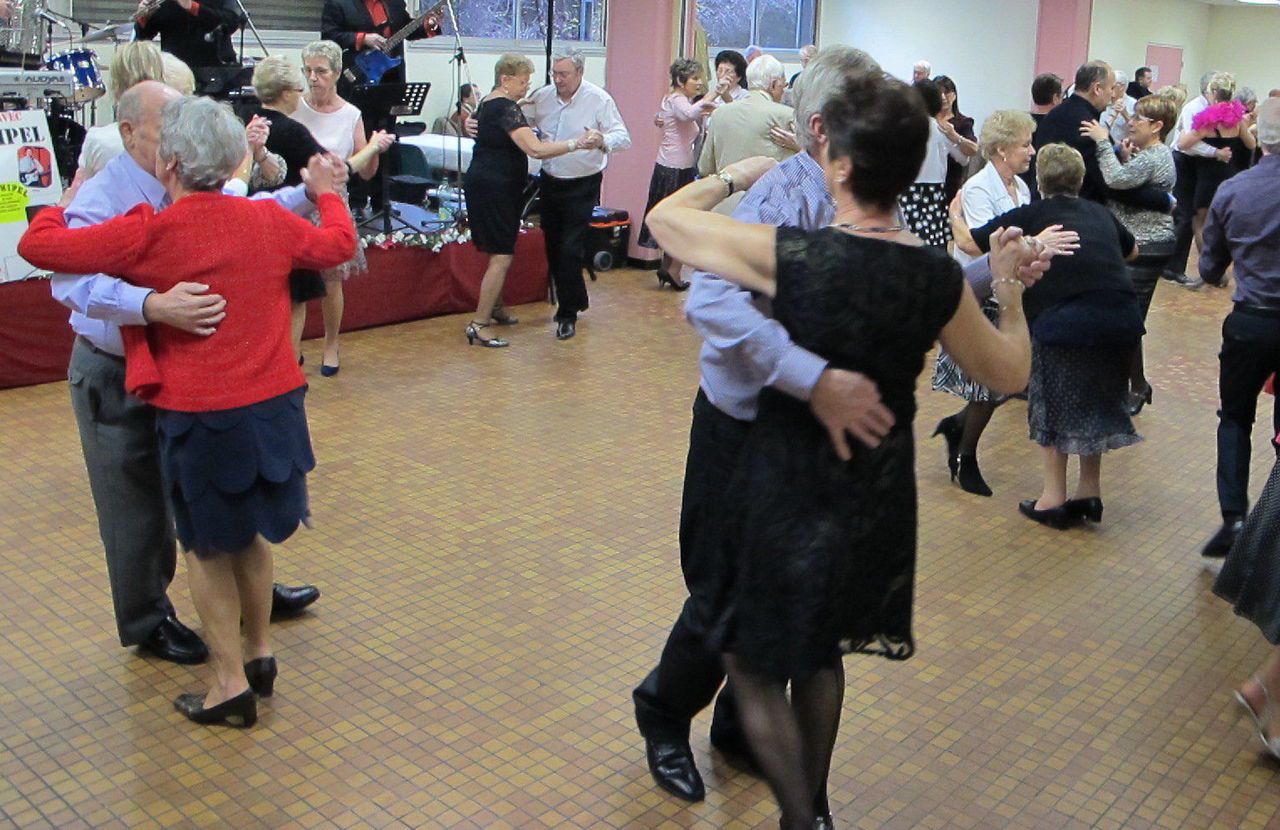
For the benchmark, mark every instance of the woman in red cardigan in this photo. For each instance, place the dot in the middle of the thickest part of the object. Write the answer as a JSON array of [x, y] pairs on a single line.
[[233, 435]]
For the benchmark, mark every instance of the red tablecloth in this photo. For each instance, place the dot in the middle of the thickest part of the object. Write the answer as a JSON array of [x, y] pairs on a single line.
[[403, 284]]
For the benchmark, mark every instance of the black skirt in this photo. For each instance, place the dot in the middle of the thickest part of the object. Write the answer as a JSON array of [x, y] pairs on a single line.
[[237, 473], [305, 286], [664, 182], [1250, 577], [493, 211]]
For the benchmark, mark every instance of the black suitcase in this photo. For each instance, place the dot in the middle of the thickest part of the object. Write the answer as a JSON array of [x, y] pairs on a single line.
[[607, 239]]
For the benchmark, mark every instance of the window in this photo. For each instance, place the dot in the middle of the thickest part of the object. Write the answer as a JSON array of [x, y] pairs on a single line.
[[771, 24], [581, 20]]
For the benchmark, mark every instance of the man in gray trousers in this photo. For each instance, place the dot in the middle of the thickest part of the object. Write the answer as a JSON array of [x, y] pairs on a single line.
[[118, 431]]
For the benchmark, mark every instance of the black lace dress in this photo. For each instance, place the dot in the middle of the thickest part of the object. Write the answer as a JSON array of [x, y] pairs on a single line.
[[496, 178], [823, 551]]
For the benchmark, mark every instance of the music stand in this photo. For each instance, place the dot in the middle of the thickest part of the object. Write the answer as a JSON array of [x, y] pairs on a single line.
[[396, 101]]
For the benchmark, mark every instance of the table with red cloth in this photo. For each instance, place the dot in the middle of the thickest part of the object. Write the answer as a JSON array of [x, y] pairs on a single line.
[[404, 283]]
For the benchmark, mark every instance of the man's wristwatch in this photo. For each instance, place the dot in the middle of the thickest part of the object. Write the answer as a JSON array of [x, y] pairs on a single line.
[[727, 178]]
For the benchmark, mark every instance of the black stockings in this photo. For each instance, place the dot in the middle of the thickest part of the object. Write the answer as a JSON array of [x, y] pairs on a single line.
[[974, 419], [793, 741]]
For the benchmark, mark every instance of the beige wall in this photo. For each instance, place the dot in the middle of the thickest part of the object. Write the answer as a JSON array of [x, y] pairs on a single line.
[[1122, 29], [1247, 43]]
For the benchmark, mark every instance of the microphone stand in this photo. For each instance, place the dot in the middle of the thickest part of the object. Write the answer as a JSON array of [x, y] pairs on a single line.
[[459, 60], [245, 17]]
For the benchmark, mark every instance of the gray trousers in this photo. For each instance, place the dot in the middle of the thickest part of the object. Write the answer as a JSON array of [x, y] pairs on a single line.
[[122, 456]]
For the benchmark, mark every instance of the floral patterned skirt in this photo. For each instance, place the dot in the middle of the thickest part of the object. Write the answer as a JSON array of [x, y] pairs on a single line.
[[356, 265]]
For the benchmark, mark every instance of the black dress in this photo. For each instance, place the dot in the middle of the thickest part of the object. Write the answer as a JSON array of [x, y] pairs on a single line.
[[496, 179], [824, 550], [1211, 173], [294, 143]]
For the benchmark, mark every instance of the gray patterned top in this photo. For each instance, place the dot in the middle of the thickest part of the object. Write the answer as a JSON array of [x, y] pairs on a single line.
[[1153, 165]]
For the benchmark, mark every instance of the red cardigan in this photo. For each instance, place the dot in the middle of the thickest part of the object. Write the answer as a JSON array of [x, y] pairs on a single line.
[[242, 249]]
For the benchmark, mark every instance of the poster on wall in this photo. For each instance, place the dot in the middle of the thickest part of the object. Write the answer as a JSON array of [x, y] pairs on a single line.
[[29, 180]]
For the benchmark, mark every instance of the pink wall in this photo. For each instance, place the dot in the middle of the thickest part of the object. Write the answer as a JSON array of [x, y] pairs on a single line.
[[1062, 39], [639, 38]]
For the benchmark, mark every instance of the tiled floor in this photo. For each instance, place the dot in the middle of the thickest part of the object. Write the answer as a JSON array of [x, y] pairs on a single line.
[[496, 542]]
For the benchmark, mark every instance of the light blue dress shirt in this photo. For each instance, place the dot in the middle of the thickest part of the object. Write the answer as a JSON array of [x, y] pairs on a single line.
[[101, 304], [744, 349]]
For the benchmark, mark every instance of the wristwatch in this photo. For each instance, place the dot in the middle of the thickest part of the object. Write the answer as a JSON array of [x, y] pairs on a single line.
[[727, 178]]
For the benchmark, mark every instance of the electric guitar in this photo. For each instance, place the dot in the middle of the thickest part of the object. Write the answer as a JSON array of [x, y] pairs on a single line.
[[372, 64]]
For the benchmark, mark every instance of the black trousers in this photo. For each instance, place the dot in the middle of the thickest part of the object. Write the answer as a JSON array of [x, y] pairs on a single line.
[[1144, 272], [1250, 354], [688, 674], [566, 214], [1185, 192]]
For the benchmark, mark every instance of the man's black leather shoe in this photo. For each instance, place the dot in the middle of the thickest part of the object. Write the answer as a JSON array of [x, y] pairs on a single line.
[[566, 329], [673, 769], [287, 601], [1222, 541], [173, 641]]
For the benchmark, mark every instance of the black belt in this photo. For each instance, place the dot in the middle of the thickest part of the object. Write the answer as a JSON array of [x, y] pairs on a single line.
[[1258, 310], [86, 341]]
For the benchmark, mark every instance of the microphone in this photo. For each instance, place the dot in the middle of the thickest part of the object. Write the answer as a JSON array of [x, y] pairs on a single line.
[[49, 18], [212, 35]]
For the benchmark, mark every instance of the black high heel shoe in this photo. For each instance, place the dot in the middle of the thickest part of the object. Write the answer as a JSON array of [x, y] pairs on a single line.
[[676, 283], [240, 711], [949, 428], [261, 674], [1058, 518], [1090, 508], [1137, 401], [971, 480]]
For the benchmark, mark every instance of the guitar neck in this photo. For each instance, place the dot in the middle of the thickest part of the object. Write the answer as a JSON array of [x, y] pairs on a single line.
[[396, 39]]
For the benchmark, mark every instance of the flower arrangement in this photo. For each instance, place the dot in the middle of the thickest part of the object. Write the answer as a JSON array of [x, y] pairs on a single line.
[[1222, 115], [435, 240]]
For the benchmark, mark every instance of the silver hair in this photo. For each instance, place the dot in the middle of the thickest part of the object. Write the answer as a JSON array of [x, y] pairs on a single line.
[[1205, 79], [1246, 95], [763, 71], [326, 49], [1269, 126], [274, 76], [204, 139], [821, 79], [575, 55]]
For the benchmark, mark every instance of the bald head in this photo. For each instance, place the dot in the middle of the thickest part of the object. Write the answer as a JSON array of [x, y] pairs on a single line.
[[138, 114]]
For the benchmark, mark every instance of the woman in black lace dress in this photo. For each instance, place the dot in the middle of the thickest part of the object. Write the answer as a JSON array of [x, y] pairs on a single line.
[[825, 547], [495, 182]]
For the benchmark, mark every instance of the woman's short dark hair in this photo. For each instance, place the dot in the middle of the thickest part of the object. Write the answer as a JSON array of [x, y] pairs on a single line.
[[931, 94], [738, 62], [464, 92], [683, 69], [945, 84], [880, 125]]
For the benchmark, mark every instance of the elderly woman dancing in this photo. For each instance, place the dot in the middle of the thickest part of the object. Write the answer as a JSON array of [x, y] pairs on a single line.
[[338, 126], [826, 544], [233, 434]]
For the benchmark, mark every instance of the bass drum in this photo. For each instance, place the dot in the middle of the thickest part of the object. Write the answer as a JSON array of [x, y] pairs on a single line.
[[83, 64]]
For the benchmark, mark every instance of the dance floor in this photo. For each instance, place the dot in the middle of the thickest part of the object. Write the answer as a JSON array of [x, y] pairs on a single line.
[[495, 537]]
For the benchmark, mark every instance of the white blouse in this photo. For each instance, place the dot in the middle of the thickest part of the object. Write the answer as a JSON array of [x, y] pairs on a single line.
[[934, 169], [334, 131], [985, 197]]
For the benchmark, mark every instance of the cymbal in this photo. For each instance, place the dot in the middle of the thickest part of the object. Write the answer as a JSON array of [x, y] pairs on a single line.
[[112, 31]]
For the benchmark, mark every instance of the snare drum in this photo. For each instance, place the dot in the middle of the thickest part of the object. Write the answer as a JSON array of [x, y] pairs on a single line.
[[83, 64]]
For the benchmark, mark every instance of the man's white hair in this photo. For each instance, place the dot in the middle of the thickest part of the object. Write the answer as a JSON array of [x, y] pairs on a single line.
[[923, 64], [763, 71]]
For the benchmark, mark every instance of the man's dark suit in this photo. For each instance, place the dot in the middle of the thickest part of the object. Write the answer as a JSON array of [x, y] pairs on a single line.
[[182, 33]]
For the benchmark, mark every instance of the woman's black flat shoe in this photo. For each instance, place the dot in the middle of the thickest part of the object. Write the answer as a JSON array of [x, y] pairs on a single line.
[[1058, 518], [1138, 401], [1090, 508], [261, 674], [240, 711]]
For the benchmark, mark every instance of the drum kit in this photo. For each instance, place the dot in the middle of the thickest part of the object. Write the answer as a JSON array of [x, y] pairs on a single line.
[[65, 84]]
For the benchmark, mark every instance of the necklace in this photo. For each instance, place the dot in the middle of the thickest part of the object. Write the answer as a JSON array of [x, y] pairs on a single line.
[[849, 226]]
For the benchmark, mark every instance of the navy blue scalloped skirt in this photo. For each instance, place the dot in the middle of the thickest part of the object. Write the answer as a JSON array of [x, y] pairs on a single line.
[[237, 473]]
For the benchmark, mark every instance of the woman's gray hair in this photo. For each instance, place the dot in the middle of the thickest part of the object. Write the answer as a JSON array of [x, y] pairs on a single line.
[[326, 49], [575, 55], [274, 76], [822, 78], [1245, 95], [204, 139]]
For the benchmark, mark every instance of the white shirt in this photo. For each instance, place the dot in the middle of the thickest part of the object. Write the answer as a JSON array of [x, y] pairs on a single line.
[[590, 107], [1193, 108], [1118, 125], [985, 197], [934, 169], [335, 131]]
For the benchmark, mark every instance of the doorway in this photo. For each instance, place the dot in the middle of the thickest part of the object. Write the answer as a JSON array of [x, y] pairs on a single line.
[[1166, 65]]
